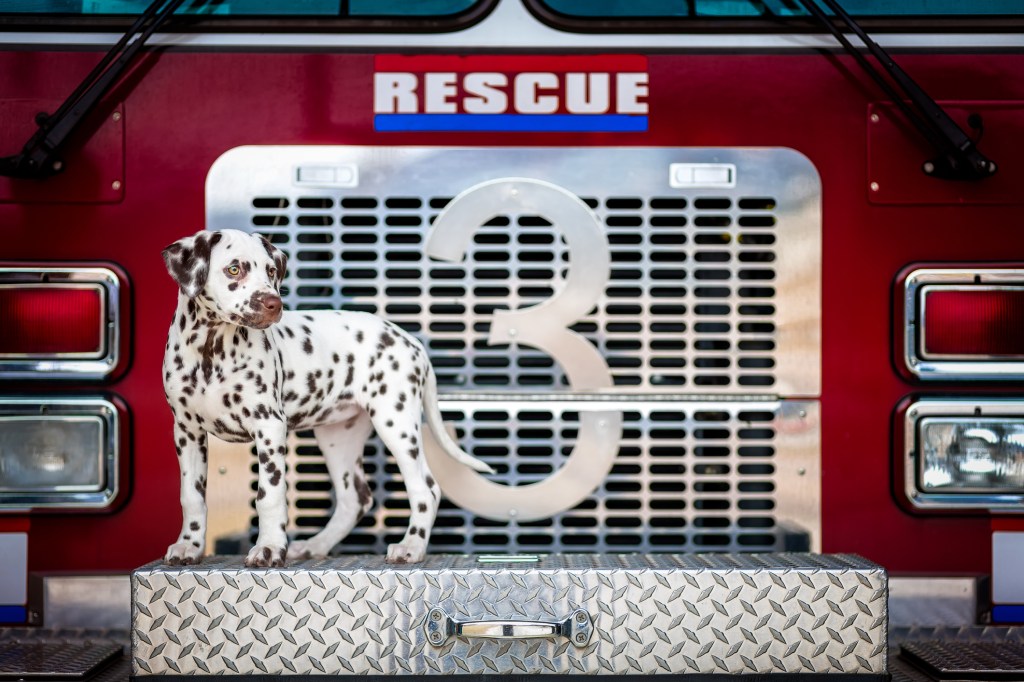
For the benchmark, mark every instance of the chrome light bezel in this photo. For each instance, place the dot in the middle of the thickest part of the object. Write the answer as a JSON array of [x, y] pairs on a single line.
[[70, 497], [933, 367], [87, 366], [915, 416]]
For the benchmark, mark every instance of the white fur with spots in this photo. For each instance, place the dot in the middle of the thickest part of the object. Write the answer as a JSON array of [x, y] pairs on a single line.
[[237, 366]]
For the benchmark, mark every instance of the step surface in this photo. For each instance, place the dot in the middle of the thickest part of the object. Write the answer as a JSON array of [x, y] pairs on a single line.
[[707, 614]]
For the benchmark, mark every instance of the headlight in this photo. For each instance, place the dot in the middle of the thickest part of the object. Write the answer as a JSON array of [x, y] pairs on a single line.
[[60, 453], [963, 454]]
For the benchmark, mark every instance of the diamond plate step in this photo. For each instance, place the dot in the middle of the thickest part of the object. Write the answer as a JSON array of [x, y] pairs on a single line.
[[967, 660], [697, 614], [53, 660]]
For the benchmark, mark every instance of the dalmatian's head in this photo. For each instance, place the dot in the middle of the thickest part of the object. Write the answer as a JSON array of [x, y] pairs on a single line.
[[235, 275]]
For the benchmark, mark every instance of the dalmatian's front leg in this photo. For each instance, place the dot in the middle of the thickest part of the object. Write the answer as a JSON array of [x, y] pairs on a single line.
[[191, 447], [271, 503]]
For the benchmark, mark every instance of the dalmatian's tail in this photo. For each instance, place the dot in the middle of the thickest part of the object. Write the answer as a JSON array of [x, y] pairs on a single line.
[[432, 411]]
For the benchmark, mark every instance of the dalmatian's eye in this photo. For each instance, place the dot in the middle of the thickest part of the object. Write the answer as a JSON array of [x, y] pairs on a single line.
[[234, 270], [272, 272]]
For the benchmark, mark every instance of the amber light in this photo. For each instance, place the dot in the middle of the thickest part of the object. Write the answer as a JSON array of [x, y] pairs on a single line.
[[985, 322], [51, 320]]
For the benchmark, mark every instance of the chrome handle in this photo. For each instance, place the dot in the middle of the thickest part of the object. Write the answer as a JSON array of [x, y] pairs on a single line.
[[439, 626]]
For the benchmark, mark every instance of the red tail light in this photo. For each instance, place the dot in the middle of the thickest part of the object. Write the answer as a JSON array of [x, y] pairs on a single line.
[[49, 320], [979, 322], [62, 321]]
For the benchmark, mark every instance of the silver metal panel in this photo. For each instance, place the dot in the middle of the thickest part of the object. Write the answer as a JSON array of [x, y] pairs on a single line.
[[929, 601], [705, 296], [69, 365], [711, 291], [71, 407], [650, 613], [689, 475], [80, 601], [938, 368]]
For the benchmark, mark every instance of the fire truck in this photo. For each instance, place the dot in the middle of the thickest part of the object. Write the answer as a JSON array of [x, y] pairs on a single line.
[[723, 290]]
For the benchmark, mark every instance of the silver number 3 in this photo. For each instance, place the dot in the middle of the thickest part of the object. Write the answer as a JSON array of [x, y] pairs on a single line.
[[543, 326]]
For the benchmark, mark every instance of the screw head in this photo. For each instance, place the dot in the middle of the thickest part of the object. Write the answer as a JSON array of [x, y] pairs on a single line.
[[435, 615], [581, 618], [435, 636], [874, 186], [115, 185], [581, 638], [875, 118], [116, 116]]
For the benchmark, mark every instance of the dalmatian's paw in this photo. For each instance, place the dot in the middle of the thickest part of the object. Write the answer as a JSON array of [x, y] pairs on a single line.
[[183, 553], [406, 552], [301, 550], [265, 556]]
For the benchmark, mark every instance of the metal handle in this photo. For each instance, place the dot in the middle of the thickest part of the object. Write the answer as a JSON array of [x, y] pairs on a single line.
[[439, 626]]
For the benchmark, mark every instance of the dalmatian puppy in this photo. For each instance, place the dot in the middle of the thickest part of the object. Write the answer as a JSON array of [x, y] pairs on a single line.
[[239, 367]]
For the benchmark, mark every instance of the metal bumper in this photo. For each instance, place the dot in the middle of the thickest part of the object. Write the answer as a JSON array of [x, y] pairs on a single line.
[[599, 614]]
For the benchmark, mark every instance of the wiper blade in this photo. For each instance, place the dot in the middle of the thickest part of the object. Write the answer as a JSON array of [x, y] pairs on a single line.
[[41, 156], [959, 158]]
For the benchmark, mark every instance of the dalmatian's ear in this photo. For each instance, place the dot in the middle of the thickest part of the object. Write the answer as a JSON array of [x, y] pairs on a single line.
[[279, 256], [188, 261]]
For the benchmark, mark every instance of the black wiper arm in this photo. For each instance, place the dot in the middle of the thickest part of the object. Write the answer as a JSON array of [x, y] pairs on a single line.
[[41, 155], [959, 158]]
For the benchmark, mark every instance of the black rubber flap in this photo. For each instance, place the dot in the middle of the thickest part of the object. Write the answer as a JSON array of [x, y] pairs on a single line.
[[54, 660], [967, 660]]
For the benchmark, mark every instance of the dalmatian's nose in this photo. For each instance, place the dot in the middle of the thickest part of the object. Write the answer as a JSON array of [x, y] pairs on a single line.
[[271, 303]]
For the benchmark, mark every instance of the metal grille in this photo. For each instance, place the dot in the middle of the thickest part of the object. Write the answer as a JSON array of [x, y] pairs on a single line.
[[713, 298], [698, 477], [690, 303]]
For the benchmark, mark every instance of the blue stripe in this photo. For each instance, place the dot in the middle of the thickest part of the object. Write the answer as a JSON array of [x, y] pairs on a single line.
[[551, 123], [1008, 614], [13, 614]]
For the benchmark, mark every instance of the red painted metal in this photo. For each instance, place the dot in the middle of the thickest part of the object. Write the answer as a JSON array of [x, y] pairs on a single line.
[[188, 108], [896, 153], [94, 166]]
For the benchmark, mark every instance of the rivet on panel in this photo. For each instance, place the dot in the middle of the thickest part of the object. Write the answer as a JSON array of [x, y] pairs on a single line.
[[874, 186], [115, 185]]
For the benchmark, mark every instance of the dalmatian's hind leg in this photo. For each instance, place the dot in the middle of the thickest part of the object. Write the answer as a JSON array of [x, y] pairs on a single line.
[[400, 432], [342, 445]]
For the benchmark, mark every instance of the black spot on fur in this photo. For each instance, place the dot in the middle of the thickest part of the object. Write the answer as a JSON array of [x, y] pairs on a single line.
[[307, 346], [194, 525], [363, 491]]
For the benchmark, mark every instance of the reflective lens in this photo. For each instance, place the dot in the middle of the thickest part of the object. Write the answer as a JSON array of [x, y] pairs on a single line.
[[964, 455], [48, 320], [40, 453], [981, 322]]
